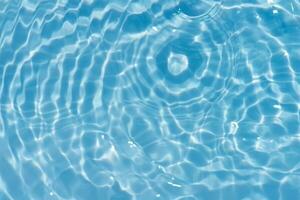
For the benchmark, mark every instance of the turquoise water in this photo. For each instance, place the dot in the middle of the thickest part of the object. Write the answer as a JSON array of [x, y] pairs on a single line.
[[149, 99]]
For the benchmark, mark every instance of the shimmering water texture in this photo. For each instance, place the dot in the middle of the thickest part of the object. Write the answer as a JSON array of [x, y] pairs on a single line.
[[149, 99]]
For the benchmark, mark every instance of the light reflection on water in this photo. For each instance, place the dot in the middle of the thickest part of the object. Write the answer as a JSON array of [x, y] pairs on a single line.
[[149, 99]]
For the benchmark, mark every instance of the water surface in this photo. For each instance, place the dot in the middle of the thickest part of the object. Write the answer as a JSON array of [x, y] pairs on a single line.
[[148, 99]]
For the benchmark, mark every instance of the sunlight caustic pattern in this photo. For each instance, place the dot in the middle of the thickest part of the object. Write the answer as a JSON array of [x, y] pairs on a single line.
[[148, 99]]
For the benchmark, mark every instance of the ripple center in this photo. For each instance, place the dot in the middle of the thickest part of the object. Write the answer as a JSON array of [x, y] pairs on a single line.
[[177, 63]]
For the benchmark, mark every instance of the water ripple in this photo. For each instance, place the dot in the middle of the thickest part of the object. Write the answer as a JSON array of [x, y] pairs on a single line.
[[149, 99]]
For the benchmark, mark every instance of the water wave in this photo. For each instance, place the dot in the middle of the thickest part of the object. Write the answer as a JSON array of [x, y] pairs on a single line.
[[149, 99]]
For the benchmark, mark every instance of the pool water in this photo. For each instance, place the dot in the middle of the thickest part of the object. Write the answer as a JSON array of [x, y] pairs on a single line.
[[149, 99]]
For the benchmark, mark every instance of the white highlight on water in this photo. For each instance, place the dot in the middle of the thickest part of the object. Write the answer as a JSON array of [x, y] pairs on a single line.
[[111, 154], [174, 184], [131, 144], [155, 28], [277, 106], [233, 128], [177, 63]]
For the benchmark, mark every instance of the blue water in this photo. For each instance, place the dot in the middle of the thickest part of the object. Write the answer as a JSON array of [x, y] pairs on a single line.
[[149, 99]]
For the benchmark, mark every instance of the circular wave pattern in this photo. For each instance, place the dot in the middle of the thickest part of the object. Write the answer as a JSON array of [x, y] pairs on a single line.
[[149, 99], [198, 51]]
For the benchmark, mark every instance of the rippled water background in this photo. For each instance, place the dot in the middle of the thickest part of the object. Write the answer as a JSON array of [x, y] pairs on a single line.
[[148, 99]]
